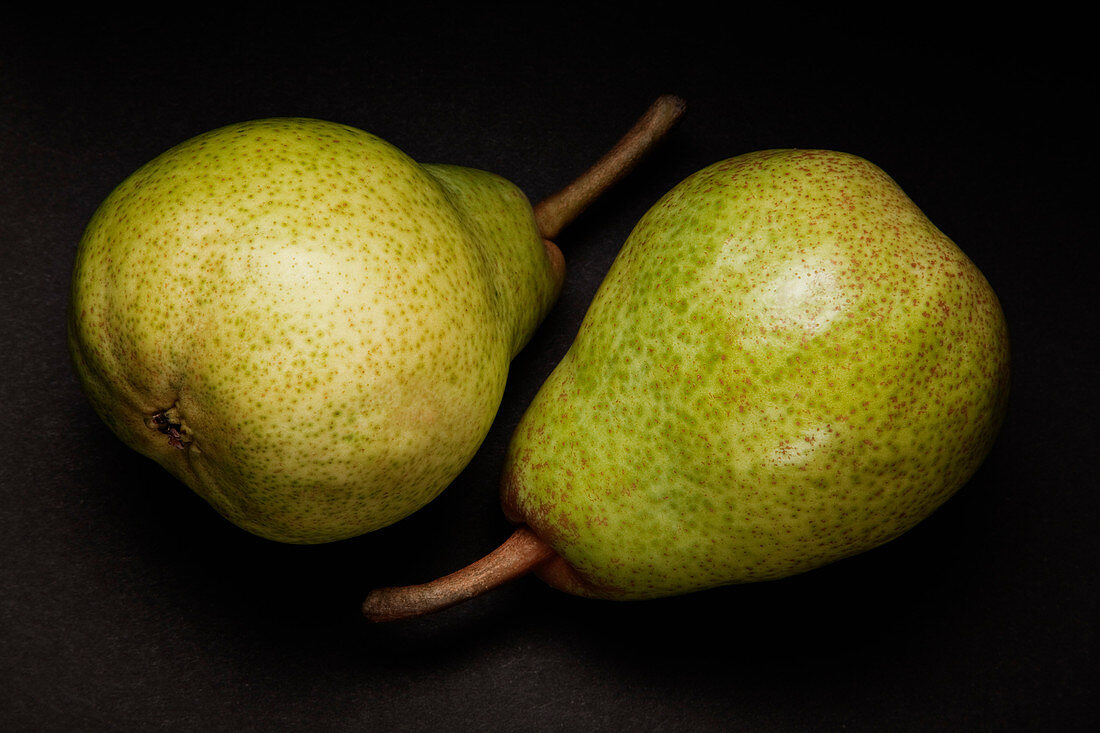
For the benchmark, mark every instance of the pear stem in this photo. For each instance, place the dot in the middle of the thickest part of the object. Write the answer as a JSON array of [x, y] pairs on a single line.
[[520, 554], [553, 213]]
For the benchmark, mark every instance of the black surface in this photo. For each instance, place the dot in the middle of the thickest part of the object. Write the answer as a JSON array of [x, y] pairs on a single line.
[[128, 605]]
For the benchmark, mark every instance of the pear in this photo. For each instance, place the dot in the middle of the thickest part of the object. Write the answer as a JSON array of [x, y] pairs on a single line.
[[306, 326], [786, 365]]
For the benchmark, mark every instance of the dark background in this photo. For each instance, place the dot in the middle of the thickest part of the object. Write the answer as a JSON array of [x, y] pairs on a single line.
[[128, 605]]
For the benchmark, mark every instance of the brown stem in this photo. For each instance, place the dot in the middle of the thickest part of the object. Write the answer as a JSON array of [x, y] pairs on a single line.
[[519, 555], [557, 210]]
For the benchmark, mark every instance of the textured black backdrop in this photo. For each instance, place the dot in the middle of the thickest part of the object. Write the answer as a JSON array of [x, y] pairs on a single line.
[[127, 605]]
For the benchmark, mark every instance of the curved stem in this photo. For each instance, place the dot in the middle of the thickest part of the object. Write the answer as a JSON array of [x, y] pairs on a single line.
[[519, 555], [557, 210]]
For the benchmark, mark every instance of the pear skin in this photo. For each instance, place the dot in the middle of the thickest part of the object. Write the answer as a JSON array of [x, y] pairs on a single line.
[[786, 365]]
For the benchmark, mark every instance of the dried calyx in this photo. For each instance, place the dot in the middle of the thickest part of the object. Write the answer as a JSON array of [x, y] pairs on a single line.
[[168, 422]]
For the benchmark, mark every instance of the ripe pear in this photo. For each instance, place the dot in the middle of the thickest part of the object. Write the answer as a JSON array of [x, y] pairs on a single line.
[[787, 364], [306, 326], [303, 324]]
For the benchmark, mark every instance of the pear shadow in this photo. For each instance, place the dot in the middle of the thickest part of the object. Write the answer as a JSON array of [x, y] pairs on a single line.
[[861, 613]]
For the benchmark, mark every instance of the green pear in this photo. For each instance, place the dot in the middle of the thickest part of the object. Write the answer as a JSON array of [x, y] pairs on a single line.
[[303, 324], [786, 365], [309, 328]]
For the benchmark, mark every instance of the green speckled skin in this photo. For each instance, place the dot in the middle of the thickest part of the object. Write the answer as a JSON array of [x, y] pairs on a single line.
[[327, 324], [787, 364]]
